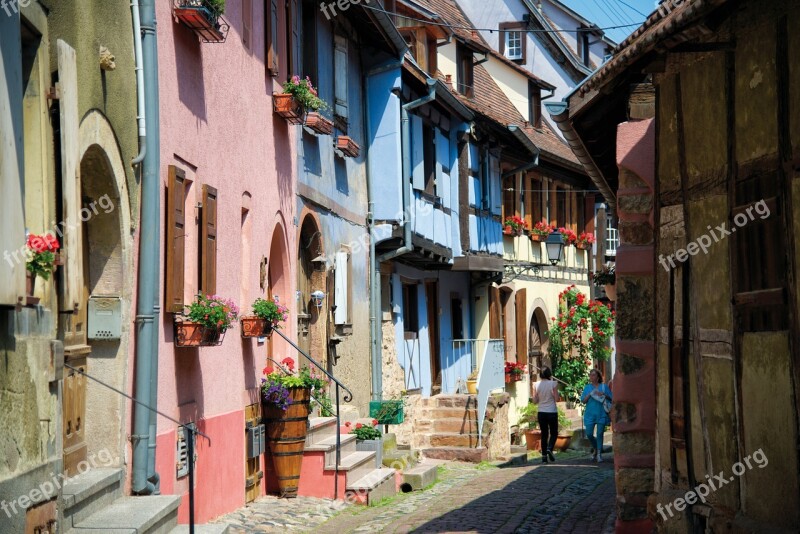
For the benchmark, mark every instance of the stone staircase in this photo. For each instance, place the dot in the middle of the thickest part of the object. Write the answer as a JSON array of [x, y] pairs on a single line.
[[445, 427], [360, 478], [94, 502]]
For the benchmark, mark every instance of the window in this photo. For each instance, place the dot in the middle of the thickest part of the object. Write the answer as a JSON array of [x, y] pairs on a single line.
[[310, 45], [422, 46], [410, 308], [561, 208], [465, 81], [513, 41], [341, 288], [510, 196], [293, 37], [583, 46], [535, 102], [271, 19], [429, 156], [340, 77], [457, 318]]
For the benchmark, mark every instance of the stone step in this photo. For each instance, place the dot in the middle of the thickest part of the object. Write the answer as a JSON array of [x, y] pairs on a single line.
[[356, 464], [90, 492], [202, 529], [328, 446], [450, 401], [449, 424], [434, 414], [419, 477], [447, 439], [462, 454], [133, 515], [320, 428], [373, 487]]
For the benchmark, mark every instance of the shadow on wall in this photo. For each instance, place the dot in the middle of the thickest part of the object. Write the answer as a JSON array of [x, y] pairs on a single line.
[[189, 67]]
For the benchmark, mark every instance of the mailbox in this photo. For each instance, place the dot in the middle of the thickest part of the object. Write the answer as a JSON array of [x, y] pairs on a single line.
[[256, 440], [104, 318]]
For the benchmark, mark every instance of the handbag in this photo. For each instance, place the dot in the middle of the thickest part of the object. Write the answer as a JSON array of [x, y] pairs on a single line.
[[607, 405]]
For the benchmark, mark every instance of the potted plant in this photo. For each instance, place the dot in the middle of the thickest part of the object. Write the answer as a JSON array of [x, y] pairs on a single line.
[[607, 278], [584, 241], [41, 261], [514, 225], [299, 96], [347, 146], [472, 383], [205, 321], [285, 401], [368, 438], [267, 315], [568, 236], [529, 421], [540, 231], [514, 372], [564, 431], [203, 16]]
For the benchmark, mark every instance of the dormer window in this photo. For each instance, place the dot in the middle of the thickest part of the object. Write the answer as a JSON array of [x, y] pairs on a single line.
[[583, 46], [514, 45], [535, 102], [465, 76], [422, 46], [512, 40]]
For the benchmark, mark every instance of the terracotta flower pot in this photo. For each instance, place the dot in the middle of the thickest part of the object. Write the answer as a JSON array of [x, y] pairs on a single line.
[[582, 246], [253, 326], [319, 124], [538, 238], [611, 292], [285, 105], [533, 439], [347, 146], [563, 441], [507, 230], [188, 334]]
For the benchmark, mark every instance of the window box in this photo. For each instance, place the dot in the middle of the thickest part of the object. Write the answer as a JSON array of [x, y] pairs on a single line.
[[316, 122], [253, 326], [347, 146], [583, 246], [287, 106], [191, 334], [538, 238], [202, 18]]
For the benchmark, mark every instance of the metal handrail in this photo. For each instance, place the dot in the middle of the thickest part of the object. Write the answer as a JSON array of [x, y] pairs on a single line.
[[189, 444], [347, 398]]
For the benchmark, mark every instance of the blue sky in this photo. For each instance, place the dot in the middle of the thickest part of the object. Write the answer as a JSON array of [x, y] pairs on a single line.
[[607, 13]]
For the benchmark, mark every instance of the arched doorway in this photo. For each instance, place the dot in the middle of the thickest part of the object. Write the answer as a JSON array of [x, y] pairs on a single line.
[[312, 324], [537, 344], [278, 287]]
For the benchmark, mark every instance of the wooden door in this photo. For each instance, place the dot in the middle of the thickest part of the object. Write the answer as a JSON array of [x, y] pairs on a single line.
[[253, 472], [74, 415], [432, 301]]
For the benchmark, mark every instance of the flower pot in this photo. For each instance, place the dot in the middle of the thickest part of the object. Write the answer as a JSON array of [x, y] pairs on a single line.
[[30, 284], [538, 238], [563, 441], [319, 124], [472, 387], [611, 291], [191, 334], [202, 20], [347, 146], [372, 445], [253, 326], [582, 246], [285, 105], [533, 440], [507, 230], [286, 438], [512, 377]]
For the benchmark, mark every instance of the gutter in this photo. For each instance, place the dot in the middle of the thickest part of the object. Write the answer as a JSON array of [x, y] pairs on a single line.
[[145, 479], [559, 111]]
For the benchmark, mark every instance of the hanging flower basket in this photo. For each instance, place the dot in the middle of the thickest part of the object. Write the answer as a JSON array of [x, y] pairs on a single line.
[[347, 146], [192, 334], [321, 125], [288, 107], [204, 17], [253, 326]]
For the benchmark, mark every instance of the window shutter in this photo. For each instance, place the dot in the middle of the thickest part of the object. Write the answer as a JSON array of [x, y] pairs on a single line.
[[417, 153], [72, 294], [12, 217], [521, 318], [247, 23], [340, 76], [293, 31], [208, 246], [271, 21], [175, 240], [494, 312], [340, 287]]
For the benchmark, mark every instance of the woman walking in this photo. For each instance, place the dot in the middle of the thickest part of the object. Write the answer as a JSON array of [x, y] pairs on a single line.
[[596, 396], [545, 394]]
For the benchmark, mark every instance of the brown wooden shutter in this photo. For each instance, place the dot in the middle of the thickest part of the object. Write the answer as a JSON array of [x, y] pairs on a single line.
[[208, 245], [247, 23], [293, 34], [521, 319], [175, 241], [527, 185], [271, 22], [494, 313]]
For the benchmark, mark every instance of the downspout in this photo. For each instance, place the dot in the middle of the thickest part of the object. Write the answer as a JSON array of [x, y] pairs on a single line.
[[145, 480], [137, 52], [375, 262]]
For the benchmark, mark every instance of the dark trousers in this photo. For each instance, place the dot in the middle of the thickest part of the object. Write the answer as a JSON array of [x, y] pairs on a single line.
[[548, 422]]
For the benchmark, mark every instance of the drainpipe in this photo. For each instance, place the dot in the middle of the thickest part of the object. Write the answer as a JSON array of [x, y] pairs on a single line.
[[145, 480], [375, 261], [137, 52]]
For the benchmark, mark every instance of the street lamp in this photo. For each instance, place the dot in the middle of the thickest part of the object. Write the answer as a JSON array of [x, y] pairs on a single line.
[[317, 297], [554, 245]]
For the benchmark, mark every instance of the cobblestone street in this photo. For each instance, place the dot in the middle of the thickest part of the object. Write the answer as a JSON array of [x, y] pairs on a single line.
[[571, 496]]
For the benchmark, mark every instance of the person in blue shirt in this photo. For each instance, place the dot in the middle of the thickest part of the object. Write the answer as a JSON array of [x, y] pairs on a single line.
[[595, 416]]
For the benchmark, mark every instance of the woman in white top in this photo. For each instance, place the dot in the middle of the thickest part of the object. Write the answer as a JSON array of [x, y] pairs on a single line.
[[545, 394]]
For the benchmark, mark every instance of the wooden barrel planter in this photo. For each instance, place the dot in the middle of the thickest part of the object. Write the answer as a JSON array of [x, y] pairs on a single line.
[[286, 437]]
